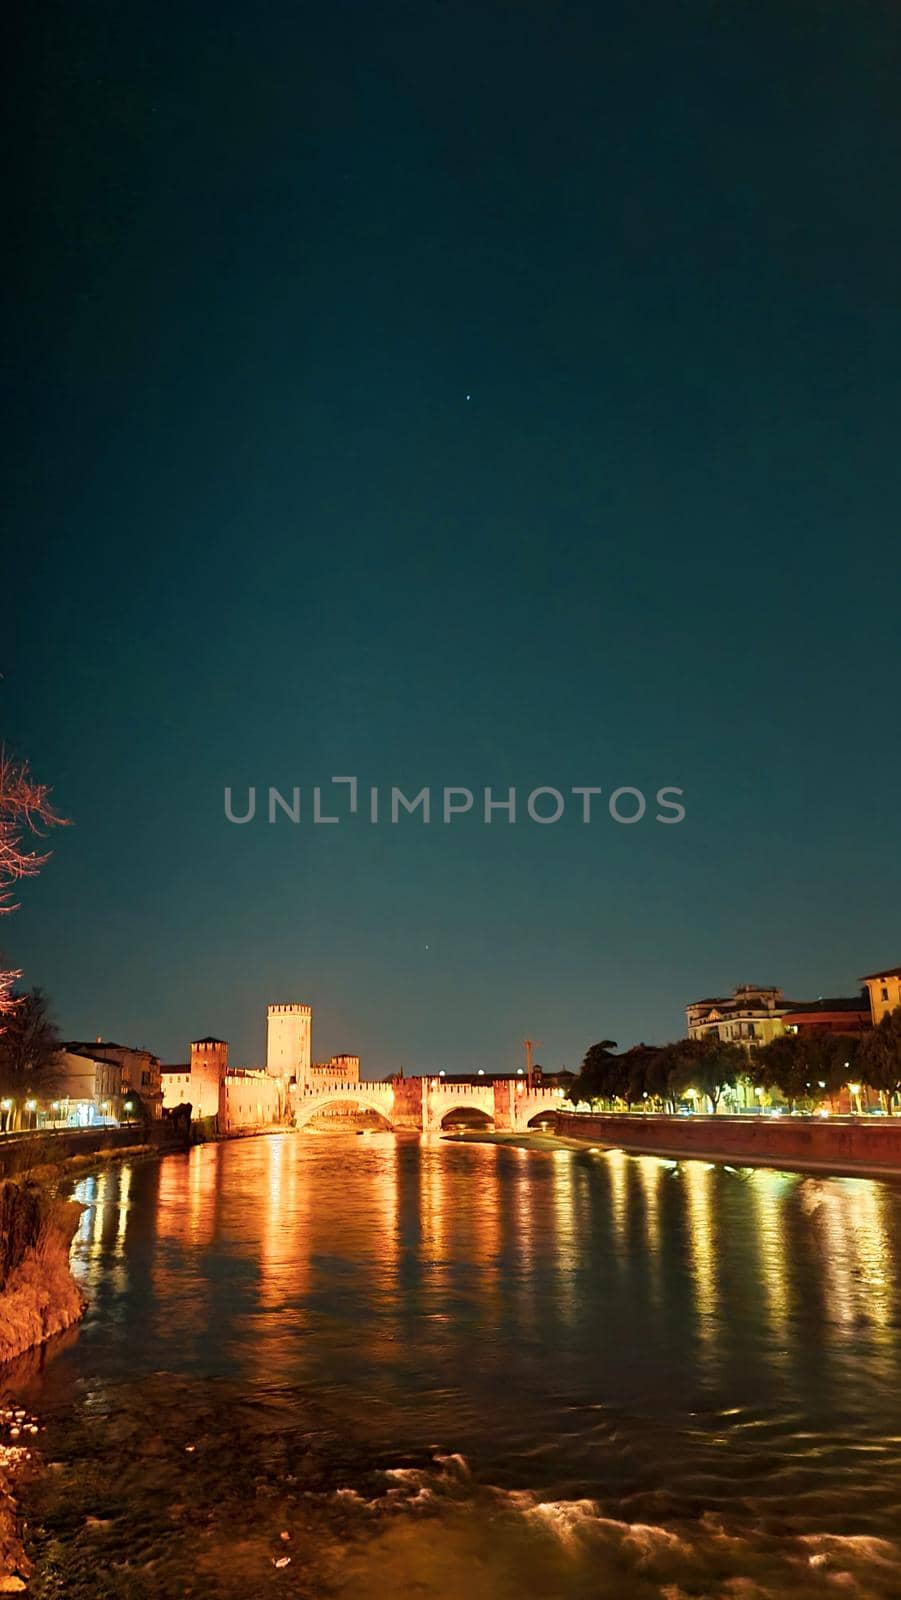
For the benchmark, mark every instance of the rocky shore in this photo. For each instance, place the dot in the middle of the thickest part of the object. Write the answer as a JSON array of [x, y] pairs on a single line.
[[38, 1298], [17, 1437]]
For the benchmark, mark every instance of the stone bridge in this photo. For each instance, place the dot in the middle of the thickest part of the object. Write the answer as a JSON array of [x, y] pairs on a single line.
[[429, 1104]]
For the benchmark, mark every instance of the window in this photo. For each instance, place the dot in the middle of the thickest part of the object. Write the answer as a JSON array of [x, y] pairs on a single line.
[[885, 991]]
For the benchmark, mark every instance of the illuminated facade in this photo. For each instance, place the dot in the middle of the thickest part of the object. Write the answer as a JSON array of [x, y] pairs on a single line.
[[87, 1089], [345, 1068], [289, 1043], [885, 992], [750, 1016], [140, 1070], [289, 1032], [197, 1083]]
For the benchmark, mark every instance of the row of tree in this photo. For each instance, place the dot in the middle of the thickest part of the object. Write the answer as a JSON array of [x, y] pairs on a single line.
[[804, 1069]]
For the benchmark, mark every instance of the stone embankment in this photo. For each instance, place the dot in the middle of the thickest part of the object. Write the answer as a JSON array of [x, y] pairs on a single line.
[[26, 1152], [865, 1145]]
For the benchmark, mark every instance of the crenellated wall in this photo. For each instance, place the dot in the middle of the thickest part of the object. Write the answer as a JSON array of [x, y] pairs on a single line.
[[250, 1099]]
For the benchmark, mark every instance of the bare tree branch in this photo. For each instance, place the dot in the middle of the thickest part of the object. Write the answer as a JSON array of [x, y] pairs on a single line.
[[26, 813]]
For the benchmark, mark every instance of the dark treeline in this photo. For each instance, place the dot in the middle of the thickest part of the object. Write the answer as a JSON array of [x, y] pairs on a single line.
[[804, 1070]]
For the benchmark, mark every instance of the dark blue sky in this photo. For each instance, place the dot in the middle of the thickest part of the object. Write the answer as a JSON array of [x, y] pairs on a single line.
[[261, 256]]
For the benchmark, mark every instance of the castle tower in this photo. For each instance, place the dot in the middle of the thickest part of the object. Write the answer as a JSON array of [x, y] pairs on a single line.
[[288, 1042], [209, 1064]]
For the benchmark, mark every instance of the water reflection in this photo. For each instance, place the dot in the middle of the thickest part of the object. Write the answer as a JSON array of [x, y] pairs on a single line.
[[697, 1184], [503, 1300], [767, 1192]]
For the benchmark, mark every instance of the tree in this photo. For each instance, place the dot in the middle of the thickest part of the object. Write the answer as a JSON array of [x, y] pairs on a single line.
[[805, 1066], [827, 1057], [28, 1048], [599, 1077], [636, 1073], [782, 1065], [665, 1076], [25, 812], [878, 1060], [714, 1064]]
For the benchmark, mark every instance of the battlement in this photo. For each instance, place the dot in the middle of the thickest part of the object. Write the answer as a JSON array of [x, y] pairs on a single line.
[[290, 1011]]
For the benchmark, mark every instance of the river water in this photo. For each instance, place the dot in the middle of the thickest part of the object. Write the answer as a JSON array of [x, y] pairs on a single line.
[[365, 1366]]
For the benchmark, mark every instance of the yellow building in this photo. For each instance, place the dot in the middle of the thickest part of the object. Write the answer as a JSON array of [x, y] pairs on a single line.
[[885, 992], [750, 1016]]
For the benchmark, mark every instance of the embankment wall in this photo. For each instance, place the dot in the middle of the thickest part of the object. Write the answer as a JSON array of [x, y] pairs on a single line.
[[23, 1152], [818, 1144]]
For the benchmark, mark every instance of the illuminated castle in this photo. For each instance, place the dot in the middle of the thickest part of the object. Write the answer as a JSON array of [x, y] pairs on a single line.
[[289, 1033]]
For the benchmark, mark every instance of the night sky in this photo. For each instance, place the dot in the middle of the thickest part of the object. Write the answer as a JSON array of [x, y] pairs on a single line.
[[467, 394]]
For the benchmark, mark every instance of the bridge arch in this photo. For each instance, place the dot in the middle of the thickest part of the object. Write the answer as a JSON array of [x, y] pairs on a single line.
[[467, 1116], [545, 1117], [309, 1105]]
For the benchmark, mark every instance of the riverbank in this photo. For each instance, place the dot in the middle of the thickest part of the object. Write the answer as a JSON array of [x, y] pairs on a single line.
[[868, 1147], [18, 1430], [25, 1154], [39, 1299], [38, 1294], [866, 1150]]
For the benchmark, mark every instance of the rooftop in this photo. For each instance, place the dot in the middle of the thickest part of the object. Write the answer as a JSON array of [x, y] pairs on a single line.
[[884, 972], [96, 1047], [857, 1002]]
